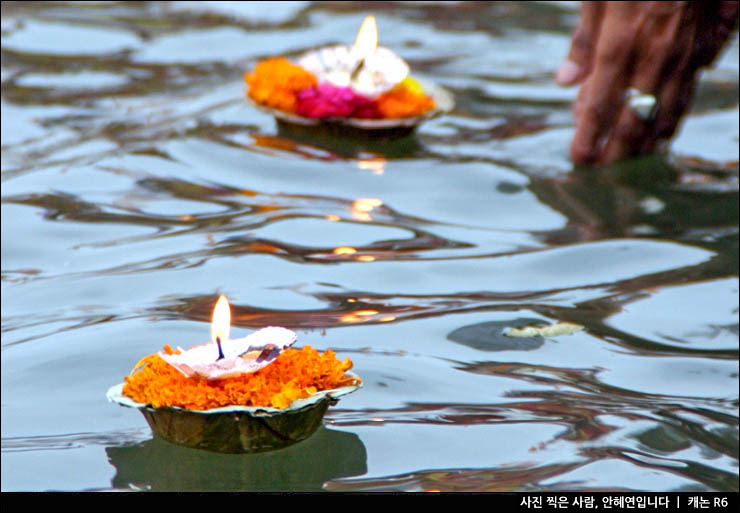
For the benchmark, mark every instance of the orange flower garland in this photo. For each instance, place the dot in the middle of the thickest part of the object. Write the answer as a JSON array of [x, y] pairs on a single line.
[[282, 85], [405, 100], [276, 83], [295, 374]]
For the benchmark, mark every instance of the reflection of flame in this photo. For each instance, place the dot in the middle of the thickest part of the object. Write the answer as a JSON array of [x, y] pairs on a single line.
[[349, 250], [366, 204], [376, 165], [221, 323], [365, 316], [367, 37], [362, 207], [358, 316]]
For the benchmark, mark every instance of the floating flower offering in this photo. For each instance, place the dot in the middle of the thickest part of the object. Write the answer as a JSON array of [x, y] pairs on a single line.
[[243, 395], [364, 86]]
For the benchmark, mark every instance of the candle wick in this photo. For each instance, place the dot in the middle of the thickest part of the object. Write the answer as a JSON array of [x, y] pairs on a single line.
[[220, 352], [357, 69]]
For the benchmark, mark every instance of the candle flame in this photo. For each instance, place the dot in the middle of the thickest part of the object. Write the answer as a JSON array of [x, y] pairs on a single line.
[[367, 37], [221, 323]]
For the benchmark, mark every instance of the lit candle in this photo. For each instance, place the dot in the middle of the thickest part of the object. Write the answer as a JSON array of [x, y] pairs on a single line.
[[223, 357], [368, 69], [221, 323]]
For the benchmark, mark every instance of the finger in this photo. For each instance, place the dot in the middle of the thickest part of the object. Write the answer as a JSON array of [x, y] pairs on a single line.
[[603, 89], [714, 24], [626, 139], [578, 104], [578, 63], [675, 98], [678, 95], [660, 61], [717, 22], [679, 78]]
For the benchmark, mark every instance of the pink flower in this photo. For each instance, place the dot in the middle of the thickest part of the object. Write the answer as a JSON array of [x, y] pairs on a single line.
[[328, 101]]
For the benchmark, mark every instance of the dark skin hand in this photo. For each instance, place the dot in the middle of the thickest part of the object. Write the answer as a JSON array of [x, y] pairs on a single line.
[[655, 47]]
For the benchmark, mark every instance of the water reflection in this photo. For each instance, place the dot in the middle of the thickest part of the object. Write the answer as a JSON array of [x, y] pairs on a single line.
[[520, 478], [157, 465], [545, 478], [353, 145], [624, 201]]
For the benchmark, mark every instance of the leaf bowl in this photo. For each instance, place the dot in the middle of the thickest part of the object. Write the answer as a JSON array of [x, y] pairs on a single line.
[[359, 127], [237, 429]]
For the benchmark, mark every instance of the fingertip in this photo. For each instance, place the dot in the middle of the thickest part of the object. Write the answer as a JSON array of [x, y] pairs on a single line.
[[568, 73], [580, 153]]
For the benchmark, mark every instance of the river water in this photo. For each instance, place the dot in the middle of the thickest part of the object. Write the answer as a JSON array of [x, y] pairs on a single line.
[[138, 185]]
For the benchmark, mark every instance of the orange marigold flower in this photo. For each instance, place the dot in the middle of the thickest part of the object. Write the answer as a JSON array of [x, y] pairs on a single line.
[[405, 100], [276, 82], [295, 374]]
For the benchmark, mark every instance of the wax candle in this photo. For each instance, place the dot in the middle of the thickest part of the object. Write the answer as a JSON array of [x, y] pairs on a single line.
[[224, 357], [368, 69]]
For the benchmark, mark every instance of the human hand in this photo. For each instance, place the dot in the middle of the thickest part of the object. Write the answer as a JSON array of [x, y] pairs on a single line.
[[654, 47]]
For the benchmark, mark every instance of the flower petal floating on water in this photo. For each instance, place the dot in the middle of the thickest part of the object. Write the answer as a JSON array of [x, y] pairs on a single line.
[[550, 330]]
